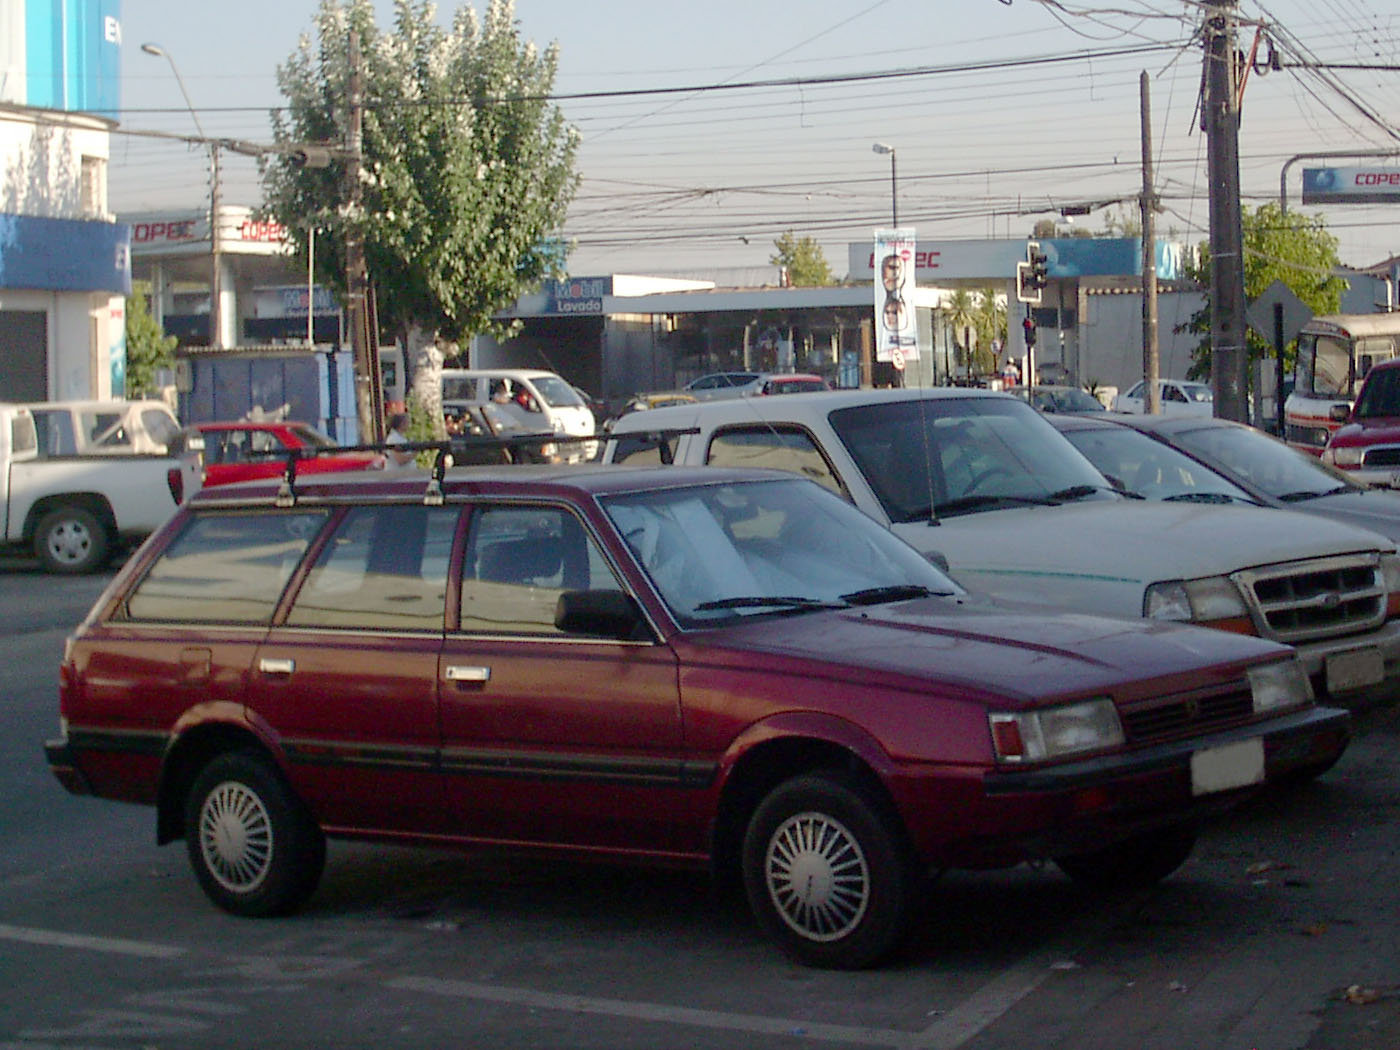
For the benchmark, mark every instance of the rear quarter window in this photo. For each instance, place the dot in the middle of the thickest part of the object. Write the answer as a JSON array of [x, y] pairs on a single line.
[[780, 448], [225, 568]]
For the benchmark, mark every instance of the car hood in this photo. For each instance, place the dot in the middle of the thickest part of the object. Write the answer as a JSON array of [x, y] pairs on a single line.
[[1374, 431], [1099, 557], [1374, 509], [996, 652]]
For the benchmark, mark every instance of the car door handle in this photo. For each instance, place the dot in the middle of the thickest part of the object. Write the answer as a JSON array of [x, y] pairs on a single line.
[[458, 673], [272, 666]]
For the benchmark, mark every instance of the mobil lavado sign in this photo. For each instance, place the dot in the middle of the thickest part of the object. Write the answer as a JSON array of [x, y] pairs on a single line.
[[1351, 185]]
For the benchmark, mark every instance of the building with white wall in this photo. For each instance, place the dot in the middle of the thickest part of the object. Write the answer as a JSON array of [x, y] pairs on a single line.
[[65, 266]]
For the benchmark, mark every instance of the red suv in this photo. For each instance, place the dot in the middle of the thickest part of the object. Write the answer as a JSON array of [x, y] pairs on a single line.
[[1367, 445], [696, 666]]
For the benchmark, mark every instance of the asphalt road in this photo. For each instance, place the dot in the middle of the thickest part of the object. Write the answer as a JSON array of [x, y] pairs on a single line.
[[1281, 933]]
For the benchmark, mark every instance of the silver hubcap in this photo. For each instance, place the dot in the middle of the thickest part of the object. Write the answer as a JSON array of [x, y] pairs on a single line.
[[235, 837], [817, 876], [70, 542]]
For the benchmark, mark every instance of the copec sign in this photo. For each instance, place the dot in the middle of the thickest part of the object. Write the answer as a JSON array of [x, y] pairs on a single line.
[[1351, 185]]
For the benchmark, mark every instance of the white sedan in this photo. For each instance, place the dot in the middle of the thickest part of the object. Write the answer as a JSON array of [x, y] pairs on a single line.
[[1179, 397]]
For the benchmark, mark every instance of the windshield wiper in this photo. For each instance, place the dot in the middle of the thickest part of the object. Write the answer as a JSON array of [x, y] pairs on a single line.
[[968, 503], [1299, 497], [761, 601], [1207, 497], [897, 592], [1075, 492]]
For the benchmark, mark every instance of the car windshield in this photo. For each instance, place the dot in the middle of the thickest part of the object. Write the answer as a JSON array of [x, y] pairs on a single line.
[[1264, 462], [556, 392], [722, 551], [957, 455], [1198, 392], [311, 437], [1136, 463], [1380, 396]]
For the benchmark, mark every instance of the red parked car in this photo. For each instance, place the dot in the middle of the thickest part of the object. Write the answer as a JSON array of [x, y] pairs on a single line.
[[244, 451], [707, 667]]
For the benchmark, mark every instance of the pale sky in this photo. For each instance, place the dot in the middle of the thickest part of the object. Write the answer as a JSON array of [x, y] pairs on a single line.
[[1018, 109]]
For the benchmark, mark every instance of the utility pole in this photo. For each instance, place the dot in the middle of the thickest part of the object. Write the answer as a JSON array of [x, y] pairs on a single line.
[[364, 353], [1151, 365], [1220, 115], [216, 312]]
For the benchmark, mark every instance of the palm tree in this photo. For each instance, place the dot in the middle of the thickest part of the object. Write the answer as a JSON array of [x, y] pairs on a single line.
[[961, 310], [990, 319]]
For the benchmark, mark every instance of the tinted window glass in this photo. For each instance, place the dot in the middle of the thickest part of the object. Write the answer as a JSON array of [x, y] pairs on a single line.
[[23, 435], [104, 430], [518, 560], [640, 451], [159, 425], [384, 567], [55, 433], [225, 568], [776, 447]]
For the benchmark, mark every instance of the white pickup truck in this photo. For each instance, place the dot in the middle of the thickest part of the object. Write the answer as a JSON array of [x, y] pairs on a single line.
[[983, 481], [78, 479]]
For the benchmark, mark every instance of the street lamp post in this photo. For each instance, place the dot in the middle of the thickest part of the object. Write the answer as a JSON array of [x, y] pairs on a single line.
[[882, 149], [215, 314]]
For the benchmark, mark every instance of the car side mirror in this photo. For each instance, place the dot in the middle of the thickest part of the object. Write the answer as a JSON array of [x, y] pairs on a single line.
[[602, 614], [939, 560], [1339, 413]]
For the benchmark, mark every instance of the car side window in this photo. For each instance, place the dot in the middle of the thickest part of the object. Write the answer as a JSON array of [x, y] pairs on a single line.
[[1135, 390], [518, 560], [1173, 393], [384, 567], [225, 568], [782, 448], [639, 450], [55, 433]]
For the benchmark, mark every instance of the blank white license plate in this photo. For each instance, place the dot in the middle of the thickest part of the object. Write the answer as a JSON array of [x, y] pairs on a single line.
[[1228, 766], [1354, 669]]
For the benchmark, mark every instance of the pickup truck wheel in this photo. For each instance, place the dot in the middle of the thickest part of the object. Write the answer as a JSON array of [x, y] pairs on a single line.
[[71, 540], [1136, 863], [254, 848], [827, 874]]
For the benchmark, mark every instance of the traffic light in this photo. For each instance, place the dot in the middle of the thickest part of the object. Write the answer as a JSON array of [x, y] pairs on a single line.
[[1026, 291], [1037, 261], [1028, 327]]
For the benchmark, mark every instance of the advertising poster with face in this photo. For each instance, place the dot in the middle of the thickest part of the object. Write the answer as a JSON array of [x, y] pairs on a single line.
[[896, 335]]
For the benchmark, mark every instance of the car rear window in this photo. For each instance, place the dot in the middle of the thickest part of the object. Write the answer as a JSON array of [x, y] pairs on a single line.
[[225, 568]]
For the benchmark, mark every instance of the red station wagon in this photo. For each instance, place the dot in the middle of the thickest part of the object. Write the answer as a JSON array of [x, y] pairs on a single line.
[[706, 667], [244, 451]]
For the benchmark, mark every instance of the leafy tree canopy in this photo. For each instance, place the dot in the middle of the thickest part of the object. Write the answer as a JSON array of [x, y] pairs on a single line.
[[1292, 248], [467, 167], [148, 349], [804, 260]]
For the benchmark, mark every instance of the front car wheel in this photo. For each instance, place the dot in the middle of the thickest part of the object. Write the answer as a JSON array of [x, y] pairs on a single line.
[[827, 873]]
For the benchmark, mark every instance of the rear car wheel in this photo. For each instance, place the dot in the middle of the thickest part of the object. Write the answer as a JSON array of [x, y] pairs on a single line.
[[1135, 863], [71, 540], [254, 848], [827, 873]]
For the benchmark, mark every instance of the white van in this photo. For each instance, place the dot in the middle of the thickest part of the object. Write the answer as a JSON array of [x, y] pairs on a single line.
[[541, 400]]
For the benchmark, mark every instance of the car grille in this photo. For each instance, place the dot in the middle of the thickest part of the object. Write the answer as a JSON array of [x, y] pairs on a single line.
[[1187, 714], [1381, 456], [1323, 598]]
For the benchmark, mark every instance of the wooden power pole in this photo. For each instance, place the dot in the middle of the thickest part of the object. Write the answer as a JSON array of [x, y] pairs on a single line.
[[362, 341], [1220, 114]]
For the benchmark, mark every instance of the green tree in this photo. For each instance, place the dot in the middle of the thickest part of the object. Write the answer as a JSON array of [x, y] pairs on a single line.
[[148, 349], [962, 309], [1295, 249], [803, 259], [467, 169], [989, 317]]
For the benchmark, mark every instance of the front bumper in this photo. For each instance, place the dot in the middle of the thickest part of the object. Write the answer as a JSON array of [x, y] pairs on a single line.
[[1003, 817], [1321, 660]]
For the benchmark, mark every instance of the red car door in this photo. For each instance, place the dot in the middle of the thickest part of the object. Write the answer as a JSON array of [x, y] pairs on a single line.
[[553, 738]]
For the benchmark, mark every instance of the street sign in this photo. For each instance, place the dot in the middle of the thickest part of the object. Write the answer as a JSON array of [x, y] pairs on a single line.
[[1260, 313]]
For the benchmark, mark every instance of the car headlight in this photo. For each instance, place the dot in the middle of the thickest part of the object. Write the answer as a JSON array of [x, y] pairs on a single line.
[[1390, 576], [1346, 457], [1213, 601], [1278, 686], [1055, 732]]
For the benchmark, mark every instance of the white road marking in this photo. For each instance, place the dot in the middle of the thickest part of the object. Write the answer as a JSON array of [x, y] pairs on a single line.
[[656, 1012], [111, 945]]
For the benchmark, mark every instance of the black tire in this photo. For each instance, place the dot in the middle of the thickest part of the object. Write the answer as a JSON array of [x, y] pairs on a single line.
[[71, 540], [254, 848], [1135, 863], [859, 881]]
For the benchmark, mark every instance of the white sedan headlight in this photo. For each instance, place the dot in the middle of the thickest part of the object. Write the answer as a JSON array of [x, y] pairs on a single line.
[[1055, 732], [1203, 601], [1278, 686]]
